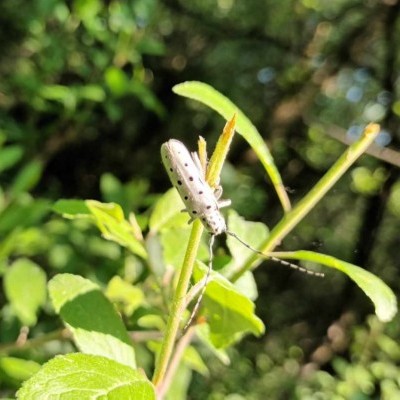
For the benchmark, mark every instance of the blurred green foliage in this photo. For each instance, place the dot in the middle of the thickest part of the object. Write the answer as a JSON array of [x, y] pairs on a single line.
[[86, 101]]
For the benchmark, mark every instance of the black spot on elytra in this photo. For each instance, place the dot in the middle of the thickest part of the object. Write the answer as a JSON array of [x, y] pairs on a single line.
[[194, 212], [186, 197], [208, 207], [186, 164], [201, 192], [190, 178], [171, 169], [179, 182]]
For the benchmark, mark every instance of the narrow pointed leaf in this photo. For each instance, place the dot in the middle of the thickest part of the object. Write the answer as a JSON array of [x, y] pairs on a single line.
[[380, 294], [209, 96], [71, 208]]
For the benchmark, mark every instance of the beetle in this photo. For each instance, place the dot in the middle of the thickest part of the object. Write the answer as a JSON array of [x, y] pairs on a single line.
[[201, 201]]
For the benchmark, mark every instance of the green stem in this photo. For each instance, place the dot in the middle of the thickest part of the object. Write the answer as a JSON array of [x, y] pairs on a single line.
[[307, 203], [60, 334], [178, 304]]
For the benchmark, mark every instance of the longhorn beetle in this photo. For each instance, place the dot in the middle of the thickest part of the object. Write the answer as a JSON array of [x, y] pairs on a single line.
[[201, 201]]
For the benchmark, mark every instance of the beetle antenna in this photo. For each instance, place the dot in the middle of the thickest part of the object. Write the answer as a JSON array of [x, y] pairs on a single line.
[[208, 274], [278, 260]]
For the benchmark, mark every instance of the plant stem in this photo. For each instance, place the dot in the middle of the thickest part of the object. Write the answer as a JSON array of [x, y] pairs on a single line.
[[179, 300], [306, 204], [178, 304], [60, 334], [175, 362]]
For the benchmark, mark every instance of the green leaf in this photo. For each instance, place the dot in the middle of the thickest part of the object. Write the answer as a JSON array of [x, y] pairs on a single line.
[[230, 314], [174, 243], [25, 288], [147, 97], [87, 9], [168, 212], [381, 295], [148, 45], [252, 233], [220, 354], [27, 177], [130, 195], [96, 326], [18, 369], [63, 94], [9, 156], [247, 285], [86, 377], [22, 213], [71, 208], [124, 294], [192, 359], [209, 96], [92, 92], [109, 218], [117, 81], [111, 187], [178, 389]]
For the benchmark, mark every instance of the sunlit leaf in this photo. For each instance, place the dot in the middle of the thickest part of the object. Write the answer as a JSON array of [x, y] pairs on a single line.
[[116, 80], [109, 218], [60, 93], [85, 377], [87, 9], [192, 358], [94, 322], [25, 288], [71, 208], [230, 314], [252, 233], [174, 242], [18, 369], [168, 212], [180, 384], [92, 92], [9, 156], [381, 295], [124, 294], [209, 96]]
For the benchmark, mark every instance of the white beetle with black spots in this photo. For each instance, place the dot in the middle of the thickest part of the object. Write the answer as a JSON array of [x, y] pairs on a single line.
[[201, 201], [186, 174]]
